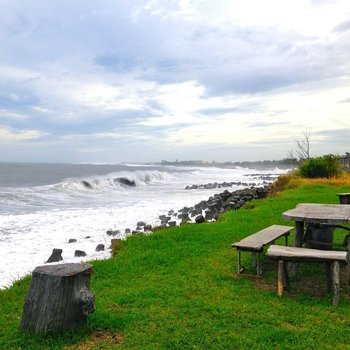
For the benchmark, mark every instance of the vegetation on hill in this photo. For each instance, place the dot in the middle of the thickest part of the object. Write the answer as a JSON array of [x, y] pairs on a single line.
[[178, 289]]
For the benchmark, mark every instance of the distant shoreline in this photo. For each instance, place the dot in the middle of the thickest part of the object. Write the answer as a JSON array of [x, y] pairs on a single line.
[[259, 165]]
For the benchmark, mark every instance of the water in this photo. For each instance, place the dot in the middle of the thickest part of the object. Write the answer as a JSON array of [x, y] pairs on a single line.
[[42, 206]]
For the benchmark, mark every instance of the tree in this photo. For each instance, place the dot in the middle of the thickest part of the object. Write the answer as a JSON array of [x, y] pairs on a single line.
[[303, 147], [302, 150]]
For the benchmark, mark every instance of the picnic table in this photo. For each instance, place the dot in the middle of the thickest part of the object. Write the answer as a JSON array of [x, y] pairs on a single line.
[[331, 214], [344, 198], [320, 221]]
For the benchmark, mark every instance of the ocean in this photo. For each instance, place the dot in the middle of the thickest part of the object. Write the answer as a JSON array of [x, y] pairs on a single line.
[[43, 206]]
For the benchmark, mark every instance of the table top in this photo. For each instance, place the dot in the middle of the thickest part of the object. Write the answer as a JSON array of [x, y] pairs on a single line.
[[319, 213]]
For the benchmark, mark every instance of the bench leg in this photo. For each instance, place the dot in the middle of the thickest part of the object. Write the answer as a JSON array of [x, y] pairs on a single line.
[[254, 262], [348, 273], [285, 277], [299, 232], [336, 289], [329, 277], [280, 280], [239, 261], [258, 264], [286, 240]]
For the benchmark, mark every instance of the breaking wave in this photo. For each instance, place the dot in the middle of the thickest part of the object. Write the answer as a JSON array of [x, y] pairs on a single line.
[[113, 181]]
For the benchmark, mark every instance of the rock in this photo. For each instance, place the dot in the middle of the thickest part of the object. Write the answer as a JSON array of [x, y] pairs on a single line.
[[208, 215], [100, 247], [199, 219], [87, 237], [127, 230], [87, 184], [147, 228], [72, 240], [172, 223], [79, 253], [55, 256], [113, 232], [125, 181], [141, 223]]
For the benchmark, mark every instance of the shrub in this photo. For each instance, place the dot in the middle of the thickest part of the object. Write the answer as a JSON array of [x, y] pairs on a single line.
[[290, 180], [320, 167]]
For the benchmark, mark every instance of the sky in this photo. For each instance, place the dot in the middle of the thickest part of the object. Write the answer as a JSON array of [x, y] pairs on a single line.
[[141, 81]]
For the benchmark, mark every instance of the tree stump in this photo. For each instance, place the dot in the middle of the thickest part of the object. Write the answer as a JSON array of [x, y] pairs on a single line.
[[58, 298]]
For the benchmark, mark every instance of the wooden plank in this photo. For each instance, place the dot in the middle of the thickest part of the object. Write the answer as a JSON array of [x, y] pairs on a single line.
[[304, 254], [319, 213], [336, 283], [280, 280], [257, 240]]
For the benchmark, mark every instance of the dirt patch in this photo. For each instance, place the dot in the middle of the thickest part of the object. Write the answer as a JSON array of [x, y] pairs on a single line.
[[99, 340]]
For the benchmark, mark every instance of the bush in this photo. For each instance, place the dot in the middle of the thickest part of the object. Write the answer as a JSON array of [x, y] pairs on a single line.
[[320, 167]]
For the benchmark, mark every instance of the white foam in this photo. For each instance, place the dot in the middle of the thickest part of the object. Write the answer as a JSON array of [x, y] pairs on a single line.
[[47, 217]]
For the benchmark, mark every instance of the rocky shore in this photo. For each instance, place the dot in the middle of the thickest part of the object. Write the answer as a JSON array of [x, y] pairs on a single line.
[[204, 211]]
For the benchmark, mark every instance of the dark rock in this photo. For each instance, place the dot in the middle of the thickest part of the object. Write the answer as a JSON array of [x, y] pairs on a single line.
[[200, 219], [141, 223], [125, 181], [72, 240], [87, 184], [172, 223], [79, 253], [127, 230], [87, 237], [55, 256], [100, 247], [147, 228]]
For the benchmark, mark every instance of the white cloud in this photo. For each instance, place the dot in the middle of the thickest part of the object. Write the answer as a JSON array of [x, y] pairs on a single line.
[[19, 135]]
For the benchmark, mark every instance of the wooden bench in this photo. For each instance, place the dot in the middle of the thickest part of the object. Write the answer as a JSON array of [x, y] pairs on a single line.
[[256, 242], [330, 257]]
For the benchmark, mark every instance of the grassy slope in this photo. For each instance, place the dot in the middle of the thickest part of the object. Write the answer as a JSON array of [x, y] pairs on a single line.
[[176, 289]]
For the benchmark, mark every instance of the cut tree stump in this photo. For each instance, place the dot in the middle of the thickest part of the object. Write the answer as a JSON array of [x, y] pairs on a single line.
[[58, 298]]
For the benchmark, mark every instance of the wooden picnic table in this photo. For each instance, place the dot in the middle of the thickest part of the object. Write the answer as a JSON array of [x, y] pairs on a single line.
[[306, 213], [316, 213], [344, 198]]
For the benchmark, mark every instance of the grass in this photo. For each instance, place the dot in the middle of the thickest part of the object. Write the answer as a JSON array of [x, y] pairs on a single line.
[[177, 289]]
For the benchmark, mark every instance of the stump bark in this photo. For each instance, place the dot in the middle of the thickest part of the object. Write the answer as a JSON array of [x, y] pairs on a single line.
[[58, 298]]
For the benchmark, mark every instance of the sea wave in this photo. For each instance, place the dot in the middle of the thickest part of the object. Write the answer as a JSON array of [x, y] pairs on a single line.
[[115, 181]]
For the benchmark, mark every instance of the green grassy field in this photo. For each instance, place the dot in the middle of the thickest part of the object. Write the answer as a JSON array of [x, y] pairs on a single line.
[[177, 289]]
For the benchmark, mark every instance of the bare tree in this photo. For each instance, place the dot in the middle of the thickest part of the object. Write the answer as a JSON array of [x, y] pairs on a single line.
[[291, 157], [303, 147]]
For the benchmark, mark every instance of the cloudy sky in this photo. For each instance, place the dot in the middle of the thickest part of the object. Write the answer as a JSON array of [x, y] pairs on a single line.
[[138, 80]]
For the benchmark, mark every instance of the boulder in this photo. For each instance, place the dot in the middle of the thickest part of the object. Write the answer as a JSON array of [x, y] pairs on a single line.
[[141, 223], [72, 240], [100, 247], [55, 256], [199, 219], [79, 253], [147, 228]]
